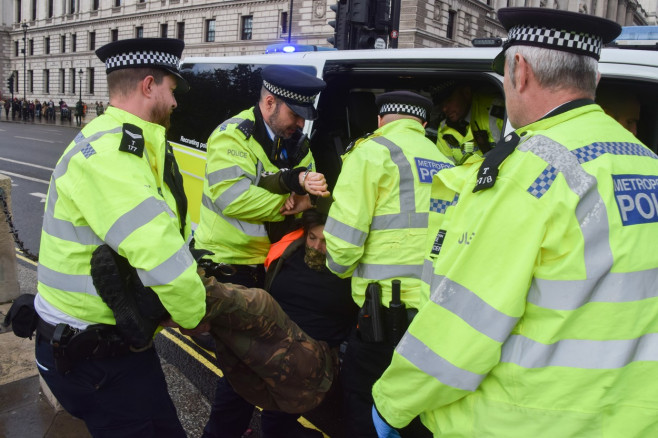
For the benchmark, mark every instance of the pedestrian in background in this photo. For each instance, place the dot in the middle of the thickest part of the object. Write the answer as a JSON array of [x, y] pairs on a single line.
[[543, 312]]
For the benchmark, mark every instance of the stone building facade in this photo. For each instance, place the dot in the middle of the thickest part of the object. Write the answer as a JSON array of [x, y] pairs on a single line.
[[60, 36]]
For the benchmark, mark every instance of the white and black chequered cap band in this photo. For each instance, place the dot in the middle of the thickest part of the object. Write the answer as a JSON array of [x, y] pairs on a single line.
[[403, 108], [142, 58], [290, 95], [576, 42]]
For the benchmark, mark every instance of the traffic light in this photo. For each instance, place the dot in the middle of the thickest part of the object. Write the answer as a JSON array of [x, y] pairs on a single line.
[[10, 84], [340, 25]]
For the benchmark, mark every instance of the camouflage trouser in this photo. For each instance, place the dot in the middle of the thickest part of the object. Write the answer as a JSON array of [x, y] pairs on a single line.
[[266, 357]]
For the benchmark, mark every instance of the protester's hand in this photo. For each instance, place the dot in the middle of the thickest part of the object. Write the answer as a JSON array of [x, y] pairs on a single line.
[[382, 427], [295, 204], [314, 183]]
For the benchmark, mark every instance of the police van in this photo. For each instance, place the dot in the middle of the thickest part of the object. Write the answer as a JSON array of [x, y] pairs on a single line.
[[221, 87]]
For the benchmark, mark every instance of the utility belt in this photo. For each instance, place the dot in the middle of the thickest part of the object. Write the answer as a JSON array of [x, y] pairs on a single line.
[[71, 345], [380, 324]]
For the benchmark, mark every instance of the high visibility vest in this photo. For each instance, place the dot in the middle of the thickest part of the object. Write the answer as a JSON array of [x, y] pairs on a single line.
[[234, 208], [378, 220], [109, 187], [543, 317], [486, 114]]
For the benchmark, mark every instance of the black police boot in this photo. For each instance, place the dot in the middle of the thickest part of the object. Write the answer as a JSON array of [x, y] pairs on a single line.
[[112, 278]]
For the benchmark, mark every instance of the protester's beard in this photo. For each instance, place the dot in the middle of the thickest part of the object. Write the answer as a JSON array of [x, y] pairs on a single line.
[[315, 259]]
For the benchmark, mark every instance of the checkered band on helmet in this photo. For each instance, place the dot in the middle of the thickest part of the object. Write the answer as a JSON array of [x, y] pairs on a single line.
[[287, 94], [403, 108], [560, 39], [145, 58]]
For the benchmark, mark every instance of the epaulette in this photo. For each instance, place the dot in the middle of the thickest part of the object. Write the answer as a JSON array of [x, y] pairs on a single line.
[[132, 140], [356, 141], [246, 127]]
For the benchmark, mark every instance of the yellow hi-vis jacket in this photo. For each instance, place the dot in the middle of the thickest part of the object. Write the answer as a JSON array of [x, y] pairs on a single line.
[[234, 208], [108, 187], [543, 318], [379, 216], [486, 114]]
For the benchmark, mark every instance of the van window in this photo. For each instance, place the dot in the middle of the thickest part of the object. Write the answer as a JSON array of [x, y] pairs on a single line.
[[217, 93]]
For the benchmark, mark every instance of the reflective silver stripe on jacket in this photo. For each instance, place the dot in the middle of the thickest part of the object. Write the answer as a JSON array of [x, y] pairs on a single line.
[[412, 349], [228, 173], [382, 272], [225, 123], [169, 270], [63, 229], [341, 269], [249, 228], [139, 216], [472, 309], [399, 221], [345, 232], [407, 188], [580, 353], [66, 282]]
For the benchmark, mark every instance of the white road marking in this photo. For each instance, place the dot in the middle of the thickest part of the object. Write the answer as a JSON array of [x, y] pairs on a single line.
[[29, 178], [35, 139], [27, 164], [40, 195]]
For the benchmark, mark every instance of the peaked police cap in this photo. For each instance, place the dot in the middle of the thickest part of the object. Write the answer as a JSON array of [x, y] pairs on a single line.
[[162, 53], [296, 88], [404, 102], [572, 32]]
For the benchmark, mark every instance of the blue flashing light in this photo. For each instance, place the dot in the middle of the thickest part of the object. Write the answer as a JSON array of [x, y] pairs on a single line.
[[292, 48]]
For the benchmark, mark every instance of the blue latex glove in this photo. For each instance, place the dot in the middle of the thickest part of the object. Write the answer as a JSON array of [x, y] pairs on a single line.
[[382, 428]]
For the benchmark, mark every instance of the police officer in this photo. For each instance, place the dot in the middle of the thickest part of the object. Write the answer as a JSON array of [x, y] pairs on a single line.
[[375, 225], [473, 120], [240, 217], [542, 316], [118, 184]]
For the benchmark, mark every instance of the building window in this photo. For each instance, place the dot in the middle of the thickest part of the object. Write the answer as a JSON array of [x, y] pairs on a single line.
[[450, 29], [114, 35], [117, 3], [62, 84], [71, 6], [46, 45], [92, 40], [284, 22], [247, 23], [18, 10], [16, 49], [30, 81], [46, 81], [139, 32], [180, 30], [210, 31], [33, 11], [95, 5], [50, 8], [74, 42], [62, 44], [90, 79], [31, 48], [72, 77], [164, 30]]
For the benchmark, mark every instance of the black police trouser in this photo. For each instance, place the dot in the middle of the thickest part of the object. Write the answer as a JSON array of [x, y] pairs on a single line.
[[363, 364], [116, 397], [230, 414]]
